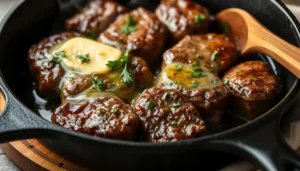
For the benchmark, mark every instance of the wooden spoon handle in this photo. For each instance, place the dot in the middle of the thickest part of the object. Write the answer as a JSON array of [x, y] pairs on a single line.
[[271, 45]]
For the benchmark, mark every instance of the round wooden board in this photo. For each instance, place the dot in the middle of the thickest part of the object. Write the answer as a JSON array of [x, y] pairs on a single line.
[[32, 155]]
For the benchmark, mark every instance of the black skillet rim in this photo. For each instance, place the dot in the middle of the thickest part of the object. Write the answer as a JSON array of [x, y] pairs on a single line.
[[260, 120]]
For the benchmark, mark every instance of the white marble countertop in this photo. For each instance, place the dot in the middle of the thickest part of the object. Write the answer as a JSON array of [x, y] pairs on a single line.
[[5, 5]]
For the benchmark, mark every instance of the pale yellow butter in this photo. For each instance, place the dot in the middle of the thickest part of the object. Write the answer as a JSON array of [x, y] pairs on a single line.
[[99, 55]]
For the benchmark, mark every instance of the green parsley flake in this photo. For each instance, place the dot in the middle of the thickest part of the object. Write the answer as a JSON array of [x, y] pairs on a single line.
[[84, 58], [214, 55], [199, 19], [197, 69], [56, 60], [178, 67], [173, 123], [99, 84], [91, 34], [105, 117], [129, 26], [226, 27], [57, 56], [198, 74], [194, 84], [115, 110], [176, 105], [151, 104], [126, 76], [214, 81], [226, 81], [195, 64], [156, 27]]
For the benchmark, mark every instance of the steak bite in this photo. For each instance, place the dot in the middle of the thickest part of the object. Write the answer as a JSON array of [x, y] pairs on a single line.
[[75, 85], [95, 17], [215, 51], [204, 89], [167, 116], [139, 31], [183, 17], [47, 73], [254, 88], [104, 116]]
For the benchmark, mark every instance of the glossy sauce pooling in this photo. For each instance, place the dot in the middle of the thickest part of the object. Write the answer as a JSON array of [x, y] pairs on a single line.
[[186, 100]]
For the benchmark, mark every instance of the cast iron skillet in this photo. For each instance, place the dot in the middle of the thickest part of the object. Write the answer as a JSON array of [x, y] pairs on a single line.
[[259, 141]]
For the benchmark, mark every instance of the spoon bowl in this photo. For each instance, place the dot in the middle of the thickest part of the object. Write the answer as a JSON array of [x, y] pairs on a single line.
[[250, 37]]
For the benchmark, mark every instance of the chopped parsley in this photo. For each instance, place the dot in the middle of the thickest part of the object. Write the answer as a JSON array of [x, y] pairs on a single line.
[[126, 76], [199, 19], [194, 84], [195, 64], [56, 60], [198, 74], [105, 117], [156, 27], [99, 84], [178, 67], [129, 26], [173, 123], [226, 27], [114, 110], [214, 81], [197, 69], [226, 81], [181, 83], [57, 56], [214, 55], [151, 104], [84, 58], [176, 105], [91, 34]]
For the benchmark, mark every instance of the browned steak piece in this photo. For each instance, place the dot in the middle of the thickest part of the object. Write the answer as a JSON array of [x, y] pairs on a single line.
[[95, 17], [183, 17], [47, 73], [167, 116], [254, 87], [75, 85], [214, 51], [104, 116], [138, 30], [204, 89]]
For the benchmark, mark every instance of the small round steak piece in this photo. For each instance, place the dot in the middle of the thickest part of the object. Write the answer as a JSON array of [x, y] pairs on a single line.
[[166, 116], [254, 87], [104, 116], [183, 17], [48, 73], [214, 51], [138, 30], [95, 17]]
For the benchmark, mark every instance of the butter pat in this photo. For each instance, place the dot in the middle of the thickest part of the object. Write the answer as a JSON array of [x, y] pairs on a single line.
[[99, 55]]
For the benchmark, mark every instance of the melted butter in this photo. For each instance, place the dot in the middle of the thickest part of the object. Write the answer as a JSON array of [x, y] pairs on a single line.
[[99, 55], [171, 77]]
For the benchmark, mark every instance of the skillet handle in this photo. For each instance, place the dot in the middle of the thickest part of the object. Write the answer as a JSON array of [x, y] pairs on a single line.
[[18, 122], [263, 144]]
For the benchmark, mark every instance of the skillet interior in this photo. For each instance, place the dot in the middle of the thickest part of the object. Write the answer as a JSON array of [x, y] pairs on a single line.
[[41, 20]]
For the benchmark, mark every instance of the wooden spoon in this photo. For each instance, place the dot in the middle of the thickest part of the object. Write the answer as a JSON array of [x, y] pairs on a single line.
[[251, 37]]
